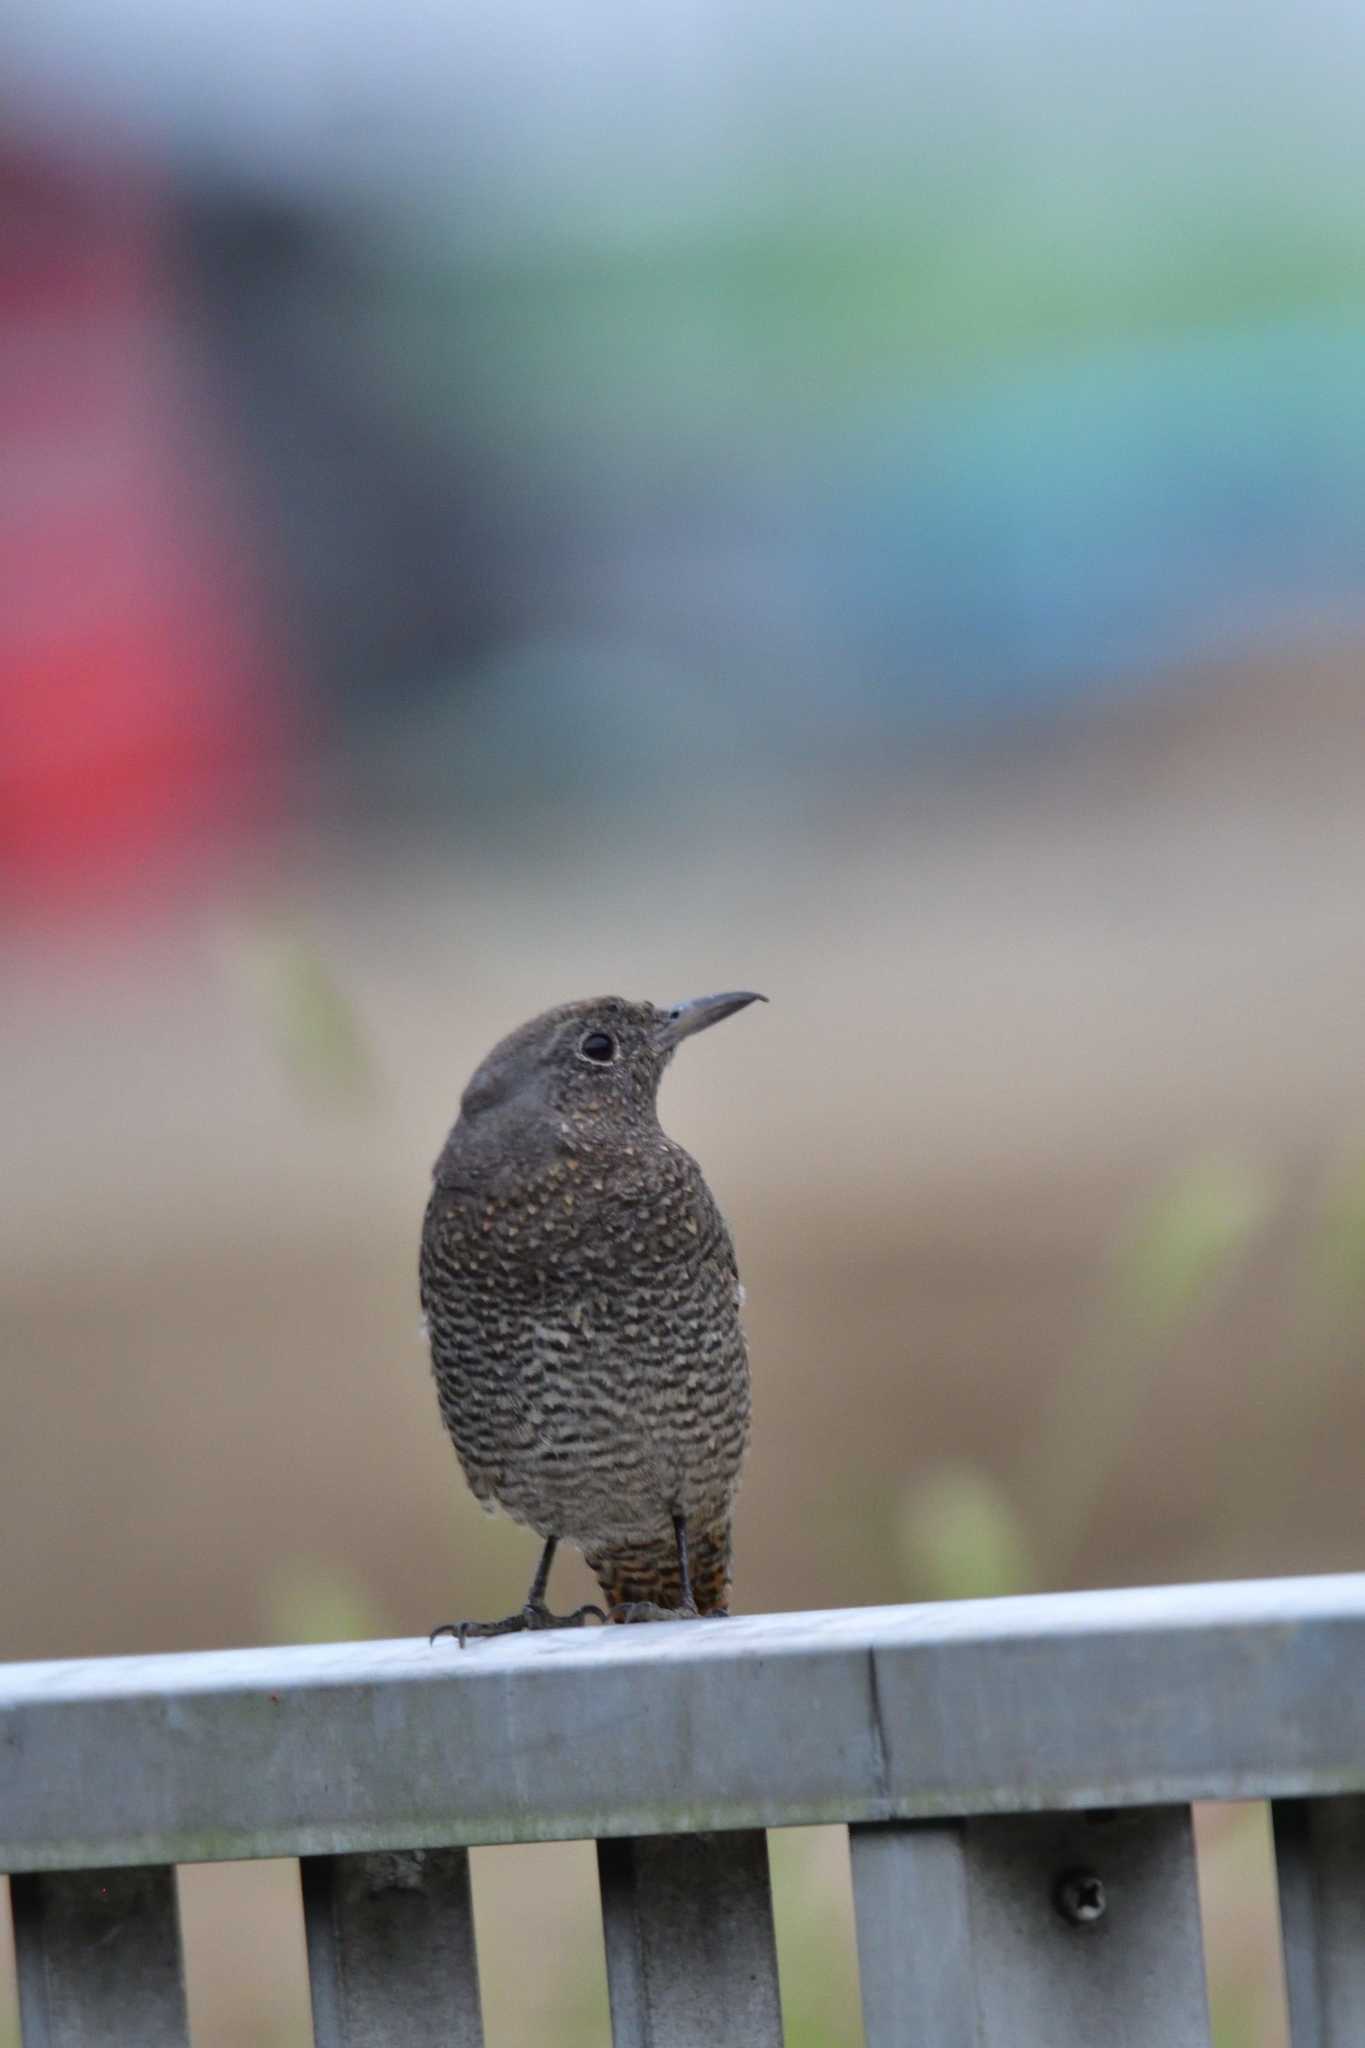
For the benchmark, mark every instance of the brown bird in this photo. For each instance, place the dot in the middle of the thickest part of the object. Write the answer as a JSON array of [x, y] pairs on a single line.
[[582, 1303]]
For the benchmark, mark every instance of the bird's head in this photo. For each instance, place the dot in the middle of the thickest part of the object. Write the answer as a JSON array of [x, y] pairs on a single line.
[[584, 1069]]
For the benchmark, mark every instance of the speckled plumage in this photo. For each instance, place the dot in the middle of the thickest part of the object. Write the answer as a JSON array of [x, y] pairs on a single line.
[[583, 1303]]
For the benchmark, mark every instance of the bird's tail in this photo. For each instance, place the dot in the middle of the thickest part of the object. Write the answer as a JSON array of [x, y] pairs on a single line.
[[649, 1570]]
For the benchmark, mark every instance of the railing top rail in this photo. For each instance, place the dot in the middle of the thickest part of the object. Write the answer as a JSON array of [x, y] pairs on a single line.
[[1241, 1690]]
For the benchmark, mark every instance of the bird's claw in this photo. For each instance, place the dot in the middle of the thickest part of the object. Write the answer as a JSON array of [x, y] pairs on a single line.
[[534, 1615]]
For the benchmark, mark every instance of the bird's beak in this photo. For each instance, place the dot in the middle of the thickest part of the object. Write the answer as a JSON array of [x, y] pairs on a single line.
[[683, 1019]]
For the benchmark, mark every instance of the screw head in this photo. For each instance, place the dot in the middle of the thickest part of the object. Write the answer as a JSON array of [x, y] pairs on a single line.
[[1079, 1897]]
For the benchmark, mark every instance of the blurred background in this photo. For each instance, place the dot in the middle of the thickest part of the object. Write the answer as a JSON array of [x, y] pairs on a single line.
[[507, 503]]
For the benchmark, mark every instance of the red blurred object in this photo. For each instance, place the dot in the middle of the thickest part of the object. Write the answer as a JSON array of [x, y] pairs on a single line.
[[142, 723]]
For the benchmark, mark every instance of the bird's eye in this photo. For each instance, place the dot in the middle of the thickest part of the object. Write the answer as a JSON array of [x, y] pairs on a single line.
[[599, 1047]]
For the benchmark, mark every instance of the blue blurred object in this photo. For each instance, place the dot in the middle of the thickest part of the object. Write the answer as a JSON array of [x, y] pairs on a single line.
[[1067, 525]]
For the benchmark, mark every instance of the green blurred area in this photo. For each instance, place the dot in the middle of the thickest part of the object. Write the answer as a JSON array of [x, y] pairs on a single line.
[[718, 337]]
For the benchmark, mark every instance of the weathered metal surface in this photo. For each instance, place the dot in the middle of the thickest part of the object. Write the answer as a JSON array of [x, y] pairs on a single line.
[[1055, 1931], [391, 1955], [1073, 1701], [1320, 1858], [691, 1959], [98, 1955], [914, 1935]]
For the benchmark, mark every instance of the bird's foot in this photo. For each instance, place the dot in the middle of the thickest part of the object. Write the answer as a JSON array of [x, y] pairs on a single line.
[[649, 1610], [535, 1614]]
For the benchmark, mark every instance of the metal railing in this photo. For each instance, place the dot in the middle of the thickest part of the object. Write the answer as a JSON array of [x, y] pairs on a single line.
[[1016, 1776]]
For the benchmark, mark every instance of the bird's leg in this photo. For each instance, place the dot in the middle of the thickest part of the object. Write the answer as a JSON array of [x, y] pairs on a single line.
[[687, 1605], [534, 1614], [649, 1610]]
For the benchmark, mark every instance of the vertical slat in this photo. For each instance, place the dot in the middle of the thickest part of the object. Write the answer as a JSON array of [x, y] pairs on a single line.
[[691, 1959], [914, 1935], [391, 1960], [98, 1955], [1320, 1859], [1050, 1932]]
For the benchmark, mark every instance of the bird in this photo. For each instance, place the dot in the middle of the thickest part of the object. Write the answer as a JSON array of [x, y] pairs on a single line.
[[582, 1304]]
